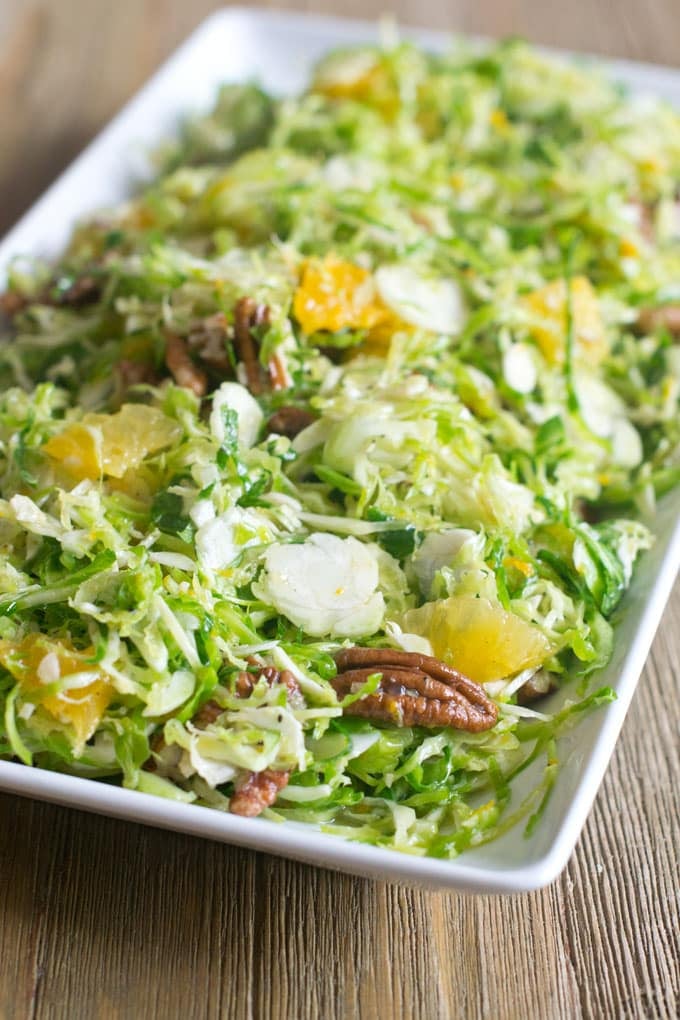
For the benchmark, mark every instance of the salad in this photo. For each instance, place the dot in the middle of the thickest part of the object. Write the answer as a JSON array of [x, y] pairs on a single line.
[[326, 459]]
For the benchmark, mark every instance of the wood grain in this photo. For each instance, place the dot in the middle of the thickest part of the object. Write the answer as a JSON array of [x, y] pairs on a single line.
[[105, 919]]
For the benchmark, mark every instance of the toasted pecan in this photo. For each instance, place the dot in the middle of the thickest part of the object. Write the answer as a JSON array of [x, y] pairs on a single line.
[[414, 690], [135, 373], [84, 290], [208, 713], [257, 791], [279, 377], [183, 370], [660, 317], [537, 686], [208, 339], [12, 302], [249, 318], [289, 421], [248, 315], [245, 682]]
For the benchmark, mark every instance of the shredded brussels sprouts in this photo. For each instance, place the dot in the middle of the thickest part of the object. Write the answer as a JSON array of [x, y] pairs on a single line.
[[390, 364]]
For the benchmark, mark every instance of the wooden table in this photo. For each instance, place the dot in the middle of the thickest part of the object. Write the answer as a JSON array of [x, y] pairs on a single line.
[[102, 919]]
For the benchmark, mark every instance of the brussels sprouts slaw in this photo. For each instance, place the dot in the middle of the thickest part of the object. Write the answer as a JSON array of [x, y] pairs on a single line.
[[464, 278]]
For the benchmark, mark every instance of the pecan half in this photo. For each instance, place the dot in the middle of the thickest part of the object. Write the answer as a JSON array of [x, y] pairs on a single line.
[[83, 291], [245, 682], [135, 373], [537, 686], [660, 317], [208, 713], [156, 744], [278, 372], [208, 342], [414, 690], [288, 421], [181, 367], [257, 791], [11, 303], [248, 315], [208, 339]]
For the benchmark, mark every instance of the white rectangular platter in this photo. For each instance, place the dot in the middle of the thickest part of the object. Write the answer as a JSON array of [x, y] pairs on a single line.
[[278, 49]]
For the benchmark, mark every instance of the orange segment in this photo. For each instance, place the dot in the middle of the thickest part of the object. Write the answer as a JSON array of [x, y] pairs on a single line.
[[361, 77], [359, 88], [334, 295], [547, 310], [111, 444], [78, 449], [477, 637], [41, 665]]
